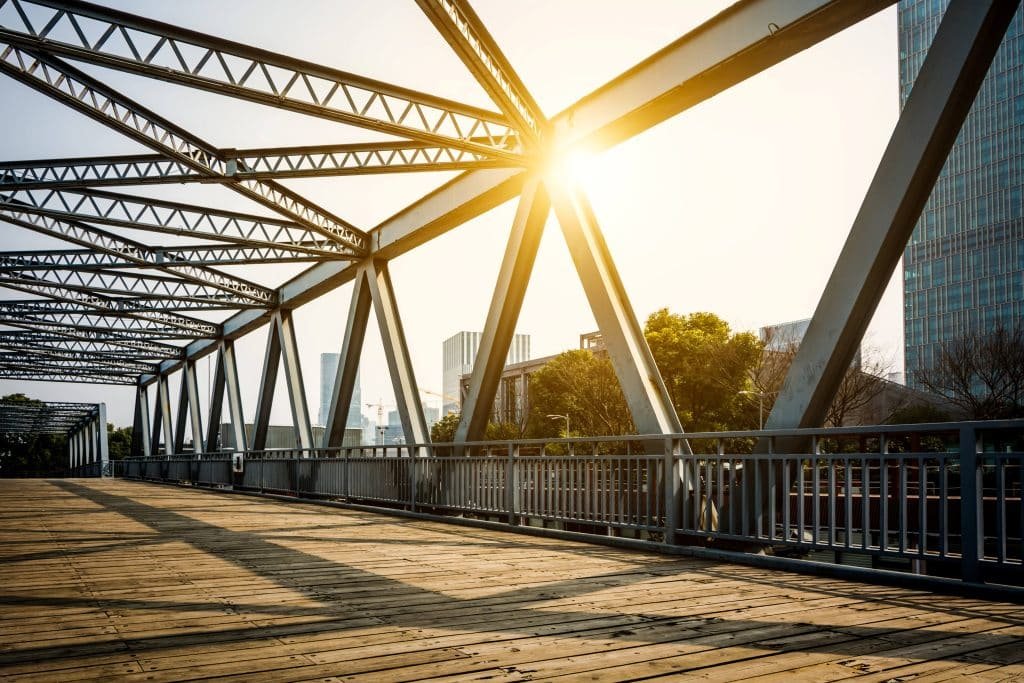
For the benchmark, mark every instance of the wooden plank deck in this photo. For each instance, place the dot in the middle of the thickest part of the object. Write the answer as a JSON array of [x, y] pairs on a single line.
[[123, 581]]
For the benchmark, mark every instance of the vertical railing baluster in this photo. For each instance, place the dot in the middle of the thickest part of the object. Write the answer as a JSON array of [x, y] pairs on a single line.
[[971, 534], [1000, 520], [904, 517], [922, 505]]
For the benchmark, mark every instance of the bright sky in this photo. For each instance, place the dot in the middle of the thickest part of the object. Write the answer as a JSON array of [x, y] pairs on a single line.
[[738, 206]]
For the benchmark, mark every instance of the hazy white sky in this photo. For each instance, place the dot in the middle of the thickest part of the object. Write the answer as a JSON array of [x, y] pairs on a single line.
[[738, 206]]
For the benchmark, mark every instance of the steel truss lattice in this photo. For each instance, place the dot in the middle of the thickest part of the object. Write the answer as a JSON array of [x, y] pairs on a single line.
[[107, 310]]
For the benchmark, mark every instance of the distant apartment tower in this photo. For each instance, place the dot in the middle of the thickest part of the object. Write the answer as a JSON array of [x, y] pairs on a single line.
[[328, 373], [459, 355], [963, 269]]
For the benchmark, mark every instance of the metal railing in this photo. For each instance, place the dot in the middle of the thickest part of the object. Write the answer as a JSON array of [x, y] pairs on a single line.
[[946, 497]]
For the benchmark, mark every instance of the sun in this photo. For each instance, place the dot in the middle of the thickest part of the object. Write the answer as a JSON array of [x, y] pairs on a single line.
[[578, 167]]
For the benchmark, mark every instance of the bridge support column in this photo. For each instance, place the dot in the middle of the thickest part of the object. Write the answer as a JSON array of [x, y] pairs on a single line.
[[190, 389], [403, 379], [281, 345], [348, 362], [163, 408], [103, 444], [502, 316], [226, 382]]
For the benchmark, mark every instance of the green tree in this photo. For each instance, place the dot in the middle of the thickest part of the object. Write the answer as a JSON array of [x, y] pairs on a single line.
[[443, 431], [583, 386], [28, 454], [119, 441], [705, 367]]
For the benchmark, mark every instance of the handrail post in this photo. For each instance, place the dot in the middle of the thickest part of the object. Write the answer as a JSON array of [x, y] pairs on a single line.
[[511, 484], [673, 488], [412, 477], [971, 538]]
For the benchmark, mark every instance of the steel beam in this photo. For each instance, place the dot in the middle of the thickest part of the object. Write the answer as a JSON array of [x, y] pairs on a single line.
[[180, 416], [77, 377], [403, 379], [158, 50], [641, 381], [956, 64], [348, 362], [81, 92], [293, 379], [227, 365], [163, 405], [219, 255], [140, 424], [467, 35], [173, 292], [67, 215], [503, 314], [103, 443], [268, 381], [190, 387], [318, 161]]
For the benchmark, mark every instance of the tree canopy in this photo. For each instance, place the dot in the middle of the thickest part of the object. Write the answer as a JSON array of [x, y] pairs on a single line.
[[705, 366]]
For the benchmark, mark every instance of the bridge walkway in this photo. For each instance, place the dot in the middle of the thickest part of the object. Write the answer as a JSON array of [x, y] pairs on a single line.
[[128, 581]]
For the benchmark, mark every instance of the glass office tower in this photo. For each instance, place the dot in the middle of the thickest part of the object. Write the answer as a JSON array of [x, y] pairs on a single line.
[[963, 269]]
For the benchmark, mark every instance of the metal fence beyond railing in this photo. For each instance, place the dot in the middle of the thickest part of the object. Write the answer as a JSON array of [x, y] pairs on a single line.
[[941, 498]]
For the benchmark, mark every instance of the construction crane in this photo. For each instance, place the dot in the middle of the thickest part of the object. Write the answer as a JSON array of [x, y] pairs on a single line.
[[445, 398], [381, 427]]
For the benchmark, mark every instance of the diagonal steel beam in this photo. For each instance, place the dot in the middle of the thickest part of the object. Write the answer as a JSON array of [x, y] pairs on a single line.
[[467, 35], [124, 41], [396, 351], [76, 89], [348, 363], [503, 314], [405, 156], [642, 385], [959, 57]]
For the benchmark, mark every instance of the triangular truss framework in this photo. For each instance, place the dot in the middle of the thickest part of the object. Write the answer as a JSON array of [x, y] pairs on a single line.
[[106, 315]]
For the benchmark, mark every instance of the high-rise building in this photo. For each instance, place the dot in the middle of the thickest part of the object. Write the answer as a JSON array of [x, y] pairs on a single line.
[[459, 356], [963, 269], [328, 373]]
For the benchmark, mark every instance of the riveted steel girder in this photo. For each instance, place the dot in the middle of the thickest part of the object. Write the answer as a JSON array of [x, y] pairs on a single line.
[[81, 92], [124, 41]]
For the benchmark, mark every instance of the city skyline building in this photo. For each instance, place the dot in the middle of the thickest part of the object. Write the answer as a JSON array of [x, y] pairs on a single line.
[[328, 374], [963, 269], [459, 354]]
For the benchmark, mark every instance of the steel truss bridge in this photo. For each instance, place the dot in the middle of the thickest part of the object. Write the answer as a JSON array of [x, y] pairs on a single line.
[[111, 310]]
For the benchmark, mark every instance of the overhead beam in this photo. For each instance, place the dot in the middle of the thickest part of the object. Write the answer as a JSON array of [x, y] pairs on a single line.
[[68, 213], [156, 49], [315, 161], [79, 91], [88, 259]]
